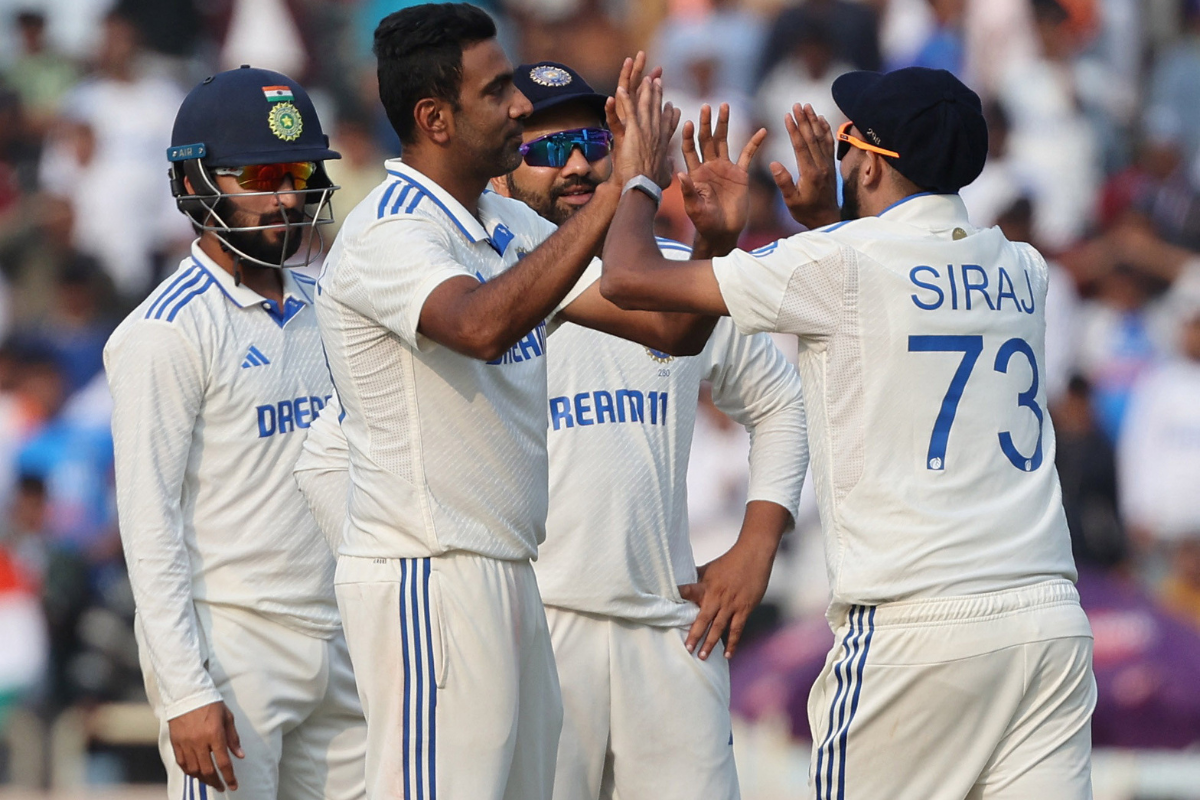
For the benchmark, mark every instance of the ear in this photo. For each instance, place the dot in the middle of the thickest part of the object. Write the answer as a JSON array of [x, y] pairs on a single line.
[[499, 185], [187, 184], [871, 175], [435, 119]]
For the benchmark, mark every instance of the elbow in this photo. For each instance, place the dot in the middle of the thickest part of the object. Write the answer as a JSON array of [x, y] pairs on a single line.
[[477, 339], [689, 343], [619, 287]]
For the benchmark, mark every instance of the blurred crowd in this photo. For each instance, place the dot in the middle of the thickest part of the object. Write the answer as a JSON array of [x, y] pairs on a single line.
[[1094, 113]]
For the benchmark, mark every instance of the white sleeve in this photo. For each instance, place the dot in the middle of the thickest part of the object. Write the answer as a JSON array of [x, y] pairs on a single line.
[[157, 381], [397, 265], [323, 472], [796, 285], [754, 384]]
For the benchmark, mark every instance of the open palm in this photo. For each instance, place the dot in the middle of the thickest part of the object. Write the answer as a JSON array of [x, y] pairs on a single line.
[[716, 190]]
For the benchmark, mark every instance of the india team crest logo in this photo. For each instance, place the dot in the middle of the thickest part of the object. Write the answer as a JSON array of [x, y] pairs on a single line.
[[284, 119], [660, 356], [549, 75]]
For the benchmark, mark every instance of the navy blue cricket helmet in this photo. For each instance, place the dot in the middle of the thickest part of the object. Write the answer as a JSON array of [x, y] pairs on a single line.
[[249, 117]]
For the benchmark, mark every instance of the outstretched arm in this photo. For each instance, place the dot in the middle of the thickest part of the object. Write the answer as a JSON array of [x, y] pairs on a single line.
[[483, 320]]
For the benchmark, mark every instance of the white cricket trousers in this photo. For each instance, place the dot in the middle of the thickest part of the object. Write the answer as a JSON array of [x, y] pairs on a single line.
[[984, 697], [294, 705], [643, 719], [456, 676]]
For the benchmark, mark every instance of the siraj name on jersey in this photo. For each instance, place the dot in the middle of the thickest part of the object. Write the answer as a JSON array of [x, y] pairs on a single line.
[[968, 286]]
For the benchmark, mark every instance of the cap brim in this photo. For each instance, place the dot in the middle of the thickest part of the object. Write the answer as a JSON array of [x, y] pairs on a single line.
[[848, 88], [591, 99], [273, 156]]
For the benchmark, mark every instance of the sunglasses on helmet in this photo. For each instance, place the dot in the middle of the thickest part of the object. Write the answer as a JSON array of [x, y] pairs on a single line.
[[554, 149], [845, 141], [269, 177]]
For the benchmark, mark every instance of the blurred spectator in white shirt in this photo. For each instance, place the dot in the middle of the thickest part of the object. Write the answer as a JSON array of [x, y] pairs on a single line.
[[733, 35], [1052, 143], [109, 159], [1160, 445], [804, 75]]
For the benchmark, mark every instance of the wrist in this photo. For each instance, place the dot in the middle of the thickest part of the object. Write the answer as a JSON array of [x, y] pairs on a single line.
[[645, 185]]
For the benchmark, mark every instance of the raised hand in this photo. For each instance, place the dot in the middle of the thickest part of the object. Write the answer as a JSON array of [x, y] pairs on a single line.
[[646, 125], [716, 191], [630, 80], [813, 201]]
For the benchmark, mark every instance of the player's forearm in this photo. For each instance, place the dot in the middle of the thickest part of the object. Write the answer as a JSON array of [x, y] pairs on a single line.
[[160, 576], [636, 276], [763, 527], [497, 314]]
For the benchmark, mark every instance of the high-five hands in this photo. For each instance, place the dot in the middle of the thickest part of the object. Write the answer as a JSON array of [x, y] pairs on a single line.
[[813, 201], [716, 191], [642, 126]]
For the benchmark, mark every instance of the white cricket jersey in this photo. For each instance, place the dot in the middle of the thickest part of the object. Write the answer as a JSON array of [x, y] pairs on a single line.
[[922, 356], [213, 387], [621, 421], [447, 452]]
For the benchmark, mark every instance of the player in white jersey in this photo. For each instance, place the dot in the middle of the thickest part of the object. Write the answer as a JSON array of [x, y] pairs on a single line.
[[214, 379], [642, 716], [962, 666], [433, 305]]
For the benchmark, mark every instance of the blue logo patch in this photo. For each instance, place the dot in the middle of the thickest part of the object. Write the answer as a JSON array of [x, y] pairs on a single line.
[[255, 358]]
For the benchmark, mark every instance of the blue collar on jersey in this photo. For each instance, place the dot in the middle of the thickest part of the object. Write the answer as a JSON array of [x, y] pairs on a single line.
[[297, 289], [463, 219]]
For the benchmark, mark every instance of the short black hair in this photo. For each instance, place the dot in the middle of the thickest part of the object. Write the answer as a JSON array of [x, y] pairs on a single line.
[[419, 50]]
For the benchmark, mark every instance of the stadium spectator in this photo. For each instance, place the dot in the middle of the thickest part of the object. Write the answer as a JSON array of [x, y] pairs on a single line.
[[946, 46], [731, 33], [72, 454], [1160, 446], [1087, 470], [854, 28], [357, 172], [75, 326], [805, 74], [1175, 81], [41, 75], [1052, 143], [107, 158]]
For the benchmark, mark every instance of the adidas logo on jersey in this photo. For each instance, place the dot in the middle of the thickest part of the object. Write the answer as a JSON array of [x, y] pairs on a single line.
[[255, 358]]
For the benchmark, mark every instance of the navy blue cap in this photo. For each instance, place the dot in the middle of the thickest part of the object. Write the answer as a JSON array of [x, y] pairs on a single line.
[[248, 116], [928, 116], [548, 84]]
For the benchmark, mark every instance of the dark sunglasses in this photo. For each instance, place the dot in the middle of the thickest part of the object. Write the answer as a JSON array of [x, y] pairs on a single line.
[[554, 149], [269, 177]]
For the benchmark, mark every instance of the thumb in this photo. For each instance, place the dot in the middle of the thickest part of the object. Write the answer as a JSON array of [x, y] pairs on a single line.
[[692, 592], [783, 179], [231, 736], [686, 185]]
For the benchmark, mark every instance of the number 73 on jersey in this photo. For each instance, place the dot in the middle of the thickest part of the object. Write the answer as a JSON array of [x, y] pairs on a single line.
[[971, 347]]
